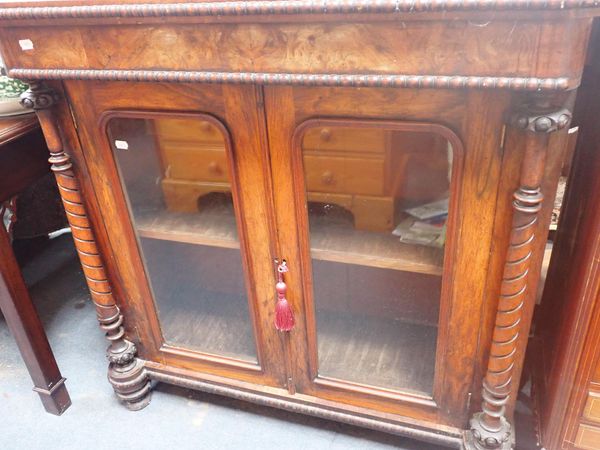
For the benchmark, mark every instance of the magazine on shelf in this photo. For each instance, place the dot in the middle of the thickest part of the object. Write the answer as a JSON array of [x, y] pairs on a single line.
[[429, 211], [426, 224]]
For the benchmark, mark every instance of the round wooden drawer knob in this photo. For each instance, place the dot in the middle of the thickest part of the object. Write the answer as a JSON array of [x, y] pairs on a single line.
[[327, 177], [213, 167], [325, 134]]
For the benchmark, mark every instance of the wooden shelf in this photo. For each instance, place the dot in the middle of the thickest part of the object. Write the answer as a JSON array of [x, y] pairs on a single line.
[[341, 244], [212, 228], [375, 249]]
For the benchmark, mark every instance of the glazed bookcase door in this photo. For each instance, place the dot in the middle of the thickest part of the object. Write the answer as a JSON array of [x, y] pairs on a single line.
[[372, 246], [195, 244]]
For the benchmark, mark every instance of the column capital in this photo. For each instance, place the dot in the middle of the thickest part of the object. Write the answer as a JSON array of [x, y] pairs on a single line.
[[39, 96], [540, 116]]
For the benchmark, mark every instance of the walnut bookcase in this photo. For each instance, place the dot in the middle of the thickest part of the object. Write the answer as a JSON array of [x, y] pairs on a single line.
[[324, 117]]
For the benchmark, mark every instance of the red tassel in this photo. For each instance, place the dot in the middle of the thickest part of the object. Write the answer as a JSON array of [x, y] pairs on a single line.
[[284, 317]]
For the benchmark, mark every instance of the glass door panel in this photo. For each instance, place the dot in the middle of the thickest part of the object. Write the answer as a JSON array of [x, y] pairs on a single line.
[[378, 200], [176, 176]]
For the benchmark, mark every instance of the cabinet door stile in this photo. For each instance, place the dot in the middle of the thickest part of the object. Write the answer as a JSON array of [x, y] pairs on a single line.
[[132, 282], [254, 185], [281, 127]]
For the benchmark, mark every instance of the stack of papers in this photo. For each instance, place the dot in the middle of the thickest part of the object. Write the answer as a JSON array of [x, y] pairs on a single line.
[[426, 224]]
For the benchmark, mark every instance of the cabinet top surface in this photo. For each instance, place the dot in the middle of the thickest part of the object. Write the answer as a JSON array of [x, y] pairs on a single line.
[[80, 9]]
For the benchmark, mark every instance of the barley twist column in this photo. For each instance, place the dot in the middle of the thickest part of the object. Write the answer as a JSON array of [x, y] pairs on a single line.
[[489, 429], [126, 372]]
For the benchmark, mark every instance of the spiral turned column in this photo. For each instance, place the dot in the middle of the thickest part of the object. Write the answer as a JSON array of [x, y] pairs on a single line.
[[126, 373], [489, 429]]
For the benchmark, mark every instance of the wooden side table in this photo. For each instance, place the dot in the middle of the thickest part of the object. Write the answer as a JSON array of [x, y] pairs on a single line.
[[23, 161]]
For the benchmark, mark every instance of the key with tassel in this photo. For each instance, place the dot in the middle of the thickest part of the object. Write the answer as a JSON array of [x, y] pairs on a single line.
[[284, 316]]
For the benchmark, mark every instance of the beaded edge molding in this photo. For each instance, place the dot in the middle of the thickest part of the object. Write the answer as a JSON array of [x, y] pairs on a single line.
[[440, 438], [299, 79], [285, 7]]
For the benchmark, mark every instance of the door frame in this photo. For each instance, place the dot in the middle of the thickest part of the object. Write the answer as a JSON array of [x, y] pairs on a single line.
[[453, 114], [140, 312], [447, 271]]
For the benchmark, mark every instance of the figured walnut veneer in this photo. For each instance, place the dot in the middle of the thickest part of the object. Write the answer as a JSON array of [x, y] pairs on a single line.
[[340, 53]]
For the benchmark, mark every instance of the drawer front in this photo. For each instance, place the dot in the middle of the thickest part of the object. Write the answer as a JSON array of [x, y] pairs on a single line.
[[184, 162], [185, 131], [592, 407], [344, 175], [345, 139], [588, 438], [183, 196], [370, 213]]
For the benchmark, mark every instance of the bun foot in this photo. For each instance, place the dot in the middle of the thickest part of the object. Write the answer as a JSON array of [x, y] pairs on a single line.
[[482, 436], [128, 377]]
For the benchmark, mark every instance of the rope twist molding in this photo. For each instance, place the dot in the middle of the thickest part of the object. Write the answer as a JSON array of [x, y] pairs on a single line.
[[284, 7]]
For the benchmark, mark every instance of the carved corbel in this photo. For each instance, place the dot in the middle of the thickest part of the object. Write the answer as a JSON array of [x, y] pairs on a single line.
[[126, 372], [489, 428]]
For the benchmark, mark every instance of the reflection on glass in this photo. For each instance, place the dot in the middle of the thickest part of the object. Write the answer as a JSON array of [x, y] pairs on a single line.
[[377, 205], [176, 180]]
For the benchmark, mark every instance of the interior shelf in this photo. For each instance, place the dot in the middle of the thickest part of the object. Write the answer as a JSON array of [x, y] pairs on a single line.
[[214, 227], [344, 244], [208, 227]]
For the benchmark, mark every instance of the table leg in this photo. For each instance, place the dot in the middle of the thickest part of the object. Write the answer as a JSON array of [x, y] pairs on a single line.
[[25, 325]]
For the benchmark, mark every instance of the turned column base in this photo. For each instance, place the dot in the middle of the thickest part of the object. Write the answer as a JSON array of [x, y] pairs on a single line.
[[128, 377], [126, 373], [479, 437]]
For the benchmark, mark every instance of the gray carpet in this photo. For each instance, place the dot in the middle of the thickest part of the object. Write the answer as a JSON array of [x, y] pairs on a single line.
[[176, 418]]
